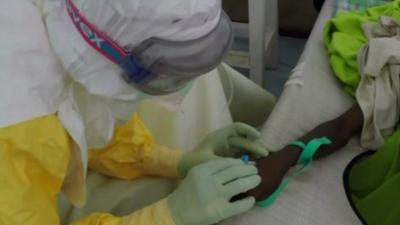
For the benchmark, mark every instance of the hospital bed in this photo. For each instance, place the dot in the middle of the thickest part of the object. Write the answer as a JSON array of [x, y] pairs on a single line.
[[311, 96], [262, 32]]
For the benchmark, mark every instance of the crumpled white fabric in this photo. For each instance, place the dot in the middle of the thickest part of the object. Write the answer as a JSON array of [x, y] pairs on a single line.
[[297, 76], [31, 80], [130, 22], [85, 65], [378, 93]]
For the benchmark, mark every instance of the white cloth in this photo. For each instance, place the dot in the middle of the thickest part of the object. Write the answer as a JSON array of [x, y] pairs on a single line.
[[378, 93], [130, 22], [31, 80], [312, 95], [84, 64]]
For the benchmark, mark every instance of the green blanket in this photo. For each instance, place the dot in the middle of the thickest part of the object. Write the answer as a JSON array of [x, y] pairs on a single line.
[[374, 185], [344, 37]]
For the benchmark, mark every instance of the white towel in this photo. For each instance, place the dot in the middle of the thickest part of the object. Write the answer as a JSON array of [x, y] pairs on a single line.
[[379, 90]]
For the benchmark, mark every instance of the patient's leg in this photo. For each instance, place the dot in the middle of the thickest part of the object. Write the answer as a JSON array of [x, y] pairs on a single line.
[[273, 168]]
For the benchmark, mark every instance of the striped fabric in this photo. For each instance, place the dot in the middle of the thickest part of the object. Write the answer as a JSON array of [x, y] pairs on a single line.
[[351, 5]]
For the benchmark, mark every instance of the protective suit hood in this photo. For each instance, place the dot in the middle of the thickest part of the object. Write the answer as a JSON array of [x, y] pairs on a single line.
[[129, 23]]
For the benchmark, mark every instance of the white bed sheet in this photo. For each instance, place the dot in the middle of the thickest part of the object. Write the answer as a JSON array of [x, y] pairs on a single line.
[[311, 96]]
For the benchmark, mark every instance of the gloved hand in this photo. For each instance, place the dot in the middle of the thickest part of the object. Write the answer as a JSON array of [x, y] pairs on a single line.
[[204, 196], [226, 142]]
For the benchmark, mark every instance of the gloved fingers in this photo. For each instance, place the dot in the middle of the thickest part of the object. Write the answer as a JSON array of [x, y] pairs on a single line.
[[205, 158], [189, 161], [233, 173], [245, 130], [240, 206], [241, 185], [255, 147], [215, 166]]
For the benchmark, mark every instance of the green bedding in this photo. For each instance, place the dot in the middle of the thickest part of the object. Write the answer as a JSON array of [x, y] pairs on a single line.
[[344, 37]]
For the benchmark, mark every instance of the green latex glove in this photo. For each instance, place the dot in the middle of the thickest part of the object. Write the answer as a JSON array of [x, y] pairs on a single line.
[[227, 142], [204, 196]]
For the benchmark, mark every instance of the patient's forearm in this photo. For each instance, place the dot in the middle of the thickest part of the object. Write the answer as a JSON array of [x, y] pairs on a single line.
[[273, 168], [339, 131]]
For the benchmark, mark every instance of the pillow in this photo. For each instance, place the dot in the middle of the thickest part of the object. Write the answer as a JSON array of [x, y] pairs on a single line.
[[312, 95]]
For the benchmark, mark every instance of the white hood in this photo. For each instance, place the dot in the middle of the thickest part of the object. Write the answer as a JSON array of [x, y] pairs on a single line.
[[129, 23]]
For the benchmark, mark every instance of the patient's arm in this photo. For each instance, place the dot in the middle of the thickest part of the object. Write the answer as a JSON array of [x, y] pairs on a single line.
[[273, 168]]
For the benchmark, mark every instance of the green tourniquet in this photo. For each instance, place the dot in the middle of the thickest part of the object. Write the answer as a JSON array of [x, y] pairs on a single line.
[[344, 37], [305, 160], [375, 184]]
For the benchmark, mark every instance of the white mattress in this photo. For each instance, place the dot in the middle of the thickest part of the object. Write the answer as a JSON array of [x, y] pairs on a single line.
[[311, 96]]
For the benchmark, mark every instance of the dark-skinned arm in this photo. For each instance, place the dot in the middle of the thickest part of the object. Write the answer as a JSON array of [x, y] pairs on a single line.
[[273, 168]]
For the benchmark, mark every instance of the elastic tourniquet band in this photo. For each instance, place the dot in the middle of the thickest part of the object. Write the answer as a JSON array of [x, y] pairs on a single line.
[[305, 160]]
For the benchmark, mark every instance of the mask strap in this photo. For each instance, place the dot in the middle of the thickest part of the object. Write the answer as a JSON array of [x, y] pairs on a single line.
[[94, 37], [104, 45]]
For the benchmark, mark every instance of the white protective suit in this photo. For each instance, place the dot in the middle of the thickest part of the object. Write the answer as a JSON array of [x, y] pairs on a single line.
[[54, 86]]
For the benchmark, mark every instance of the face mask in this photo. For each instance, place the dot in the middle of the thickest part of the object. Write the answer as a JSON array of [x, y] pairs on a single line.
[[171, 102]]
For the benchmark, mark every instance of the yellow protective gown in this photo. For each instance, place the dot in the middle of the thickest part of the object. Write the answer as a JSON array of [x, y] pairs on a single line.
[[34, 161]]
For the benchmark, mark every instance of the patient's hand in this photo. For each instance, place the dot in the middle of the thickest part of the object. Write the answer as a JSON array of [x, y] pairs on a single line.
[[272, 170]]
